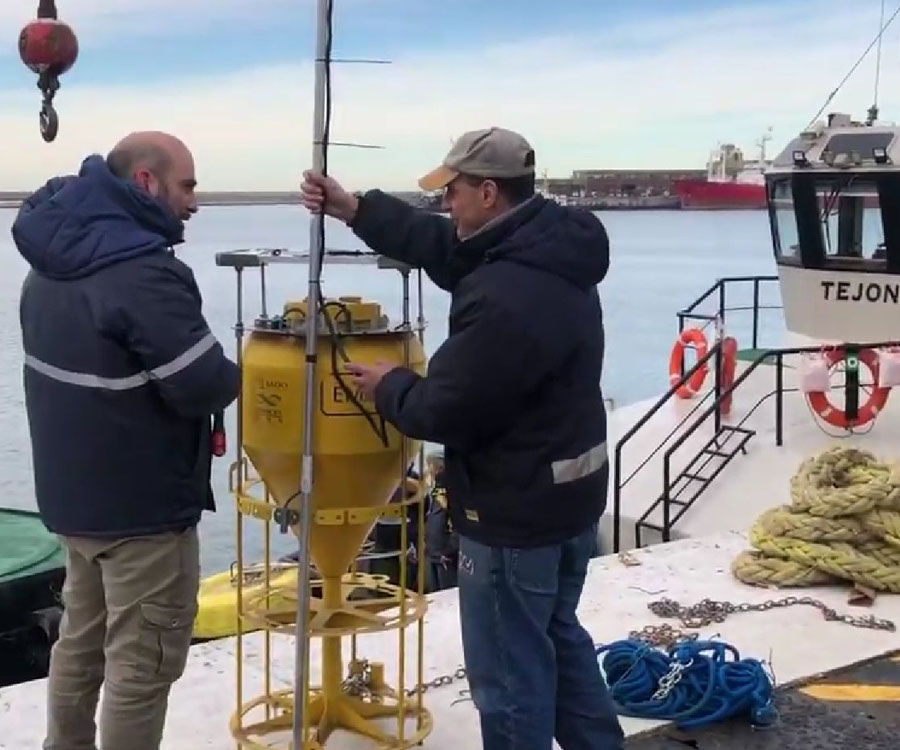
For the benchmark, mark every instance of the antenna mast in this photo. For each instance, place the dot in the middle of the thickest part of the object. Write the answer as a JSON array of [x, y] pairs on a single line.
[[321, 141], [873, 110], [316, 251]]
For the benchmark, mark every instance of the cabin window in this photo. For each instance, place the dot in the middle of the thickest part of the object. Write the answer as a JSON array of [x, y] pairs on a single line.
[[787, 239], [851, 221], [828, 221]]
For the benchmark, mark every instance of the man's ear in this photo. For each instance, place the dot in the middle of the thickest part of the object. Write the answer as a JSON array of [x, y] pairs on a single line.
[[490, 193]]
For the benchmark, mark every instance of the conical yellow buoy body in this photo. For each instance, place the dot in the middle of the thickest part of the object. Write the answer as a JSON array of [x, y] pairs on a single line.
[[357, 461]]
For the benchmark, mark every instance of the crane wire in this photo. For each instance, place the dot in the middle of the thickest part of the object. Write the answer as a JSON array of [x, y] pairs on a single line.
[[876, 40]]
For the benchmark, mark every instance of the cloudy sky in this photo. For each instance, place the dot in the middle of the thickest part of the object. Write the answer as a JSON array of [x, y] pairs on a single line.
[[642, 83]]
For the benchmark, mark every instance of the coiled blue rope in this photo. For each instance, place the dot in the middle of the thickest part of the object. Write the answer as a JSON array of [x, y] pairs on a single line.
[[694, 684]]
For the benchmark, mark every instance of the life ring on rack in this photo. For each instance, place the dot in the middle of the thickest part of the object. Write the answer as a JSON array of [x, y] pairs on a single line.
[[818, 400], [691, 387], [729, 366]]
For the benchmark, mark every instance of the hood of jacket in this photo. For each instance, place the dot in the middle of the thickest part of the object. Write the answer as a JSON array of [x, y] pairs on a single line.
[[566, 242], [78, 224]]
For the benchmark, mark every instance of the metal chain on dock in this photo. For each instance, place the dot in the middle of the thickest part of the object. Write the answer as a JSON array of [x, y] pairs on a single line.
[[439, 681], [708, 611], [669, 680], [360, 684], [662, 636]]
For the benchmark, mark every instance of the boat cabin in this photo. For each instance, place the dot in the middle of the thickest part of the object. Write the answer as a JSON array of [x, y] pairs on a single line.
[[834, 205]]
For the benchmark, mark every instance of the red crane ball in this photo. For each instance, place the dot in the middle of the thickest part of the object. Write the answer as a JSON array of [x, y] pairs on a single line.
[[48, 46]]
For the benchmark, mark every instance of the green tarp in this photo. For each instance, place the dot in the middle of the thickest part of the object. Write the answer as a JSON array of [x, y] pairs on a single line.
[[26, 547], [751, 355]]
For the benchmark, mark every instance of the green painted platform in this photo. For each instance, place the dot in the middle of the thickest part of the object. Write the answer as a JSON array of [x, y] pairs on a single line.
[[751, 355], [26, 547]]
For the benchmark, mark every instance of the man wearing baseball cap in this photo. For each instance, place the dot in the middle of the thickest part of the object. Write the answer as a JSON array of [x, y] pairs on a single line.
[[514, 397]]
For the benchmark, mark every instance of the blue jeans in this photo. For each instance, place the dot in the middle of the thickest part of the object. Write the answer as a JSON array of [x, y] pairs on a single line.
[[440, 578], [532, 667]]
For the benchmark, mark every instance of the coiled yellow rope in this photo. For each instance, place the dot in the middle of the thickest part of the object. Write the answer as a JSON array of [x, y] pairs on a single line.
[[843, 524]]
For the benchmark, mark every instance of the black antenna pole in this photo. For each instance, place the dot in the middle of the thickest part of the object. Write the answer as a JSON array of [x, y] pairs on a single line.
[[873, 110]]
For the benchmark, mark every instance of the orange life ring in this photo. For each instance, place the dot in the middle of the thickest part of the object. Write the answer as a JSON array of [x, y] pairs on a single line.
[[729, 365], [691, 387], [818, 400]]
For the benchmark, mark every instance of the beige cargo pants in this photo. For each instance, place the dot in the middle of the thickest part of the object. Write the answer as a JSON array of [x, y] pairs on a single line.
[[129, 608]]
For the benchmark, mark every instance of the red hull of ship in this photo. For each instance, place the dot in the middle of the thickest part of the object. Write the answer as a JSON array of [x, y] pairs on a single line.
[[703, 195]]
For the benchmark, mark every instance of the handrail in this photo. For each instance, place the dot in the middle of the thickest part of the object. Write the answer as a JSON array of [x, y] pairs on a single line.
[[715, 351], [779, 355], [720, 287], [724, 281], [675, 429], [753, 409]]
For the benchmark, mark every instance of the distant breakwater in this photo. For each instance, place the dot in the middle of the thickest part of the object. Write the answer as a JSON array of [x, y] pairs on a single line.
[[11, 199]]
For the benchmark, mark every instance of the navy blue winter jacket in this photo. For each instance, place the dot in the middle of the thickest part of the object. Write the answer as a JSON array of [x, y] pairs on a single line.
[[514, 392], [121, 370]]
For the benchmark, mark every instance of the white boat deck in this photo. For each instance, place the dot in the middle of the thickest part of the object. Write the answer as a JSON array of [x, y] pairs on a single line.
[[748, 484], [797, 641]]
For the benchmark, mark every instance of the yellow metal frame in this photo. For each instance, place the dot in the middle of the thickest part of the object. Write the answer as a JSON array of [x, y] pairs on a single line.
[[274, 608], [359, 700]]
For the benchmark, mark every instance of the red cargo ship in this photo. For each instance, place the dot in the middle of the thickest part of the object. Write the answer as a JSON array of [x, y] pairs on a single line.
[[731, 183]]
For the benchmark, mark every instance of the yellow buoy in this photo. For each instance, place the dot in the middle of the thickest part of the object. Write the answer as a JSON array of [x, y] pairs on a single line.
[[359, 461], [354, 466], [217, 597]]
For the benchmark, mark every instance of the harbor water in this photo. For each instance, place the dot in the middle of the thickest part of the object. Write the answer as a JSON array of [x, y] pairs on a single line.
[[660, 262]]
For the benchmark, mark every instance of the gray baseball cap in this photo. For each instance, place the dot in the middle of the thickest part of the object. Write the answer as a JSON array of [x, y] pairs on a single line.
[[490, 153]]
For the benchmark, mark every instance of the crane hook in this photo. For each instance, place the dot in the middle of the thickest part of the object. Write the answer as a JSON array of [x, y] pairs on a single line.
[[49, 120], [49, 48]]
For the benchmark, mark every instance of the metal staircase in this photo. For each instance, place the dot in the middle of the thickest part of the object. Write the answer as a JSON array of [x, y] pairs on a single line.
[[680, 494], [691, 482]]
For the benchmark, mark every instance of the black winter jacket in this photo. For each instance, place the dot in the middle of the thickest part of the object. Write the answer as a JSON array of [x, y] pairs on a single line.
[[121, 370], [514, 392]]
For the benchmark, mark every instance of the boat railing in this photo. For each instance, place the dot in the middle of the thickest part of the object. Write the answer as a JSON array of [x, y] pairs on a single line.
[[719, 288], [618, 483], [714, 409]]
